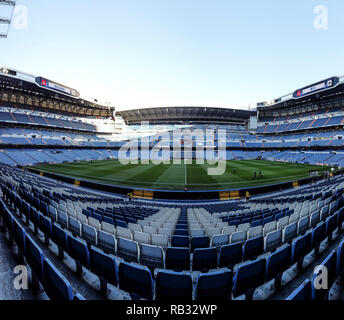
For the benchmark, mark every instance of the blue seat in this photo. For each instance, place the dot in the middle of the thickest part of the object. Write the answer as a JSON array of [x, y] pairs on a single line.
[[331, 225], [300, 248], [34, 256], [34, 217], [182, 226], [340, 218], [19, 235], [177, 259], [59, 236], [181, 232], [253, 248], [214, 286], [330, 263], [318, 235], [45, 227], [128, 250], [136, 279], [248, 277], [340, 258], [199, 242], [302, 293], [55, 284], [172, 285], [7, 217], [77, 249], [256, 223], [277, 263], [230, 255], [204, 259], [104, 266], [180, 241]]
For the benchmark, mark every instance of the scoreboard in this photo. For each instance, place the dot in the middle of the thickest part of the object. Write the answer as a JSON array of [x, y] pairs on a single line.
[[45, 83], [320, 86]]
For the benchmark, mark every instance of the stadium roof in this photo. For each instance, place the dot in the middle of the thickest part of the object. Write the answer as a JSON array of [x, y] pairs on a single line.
[[183, 114], [17, 90]]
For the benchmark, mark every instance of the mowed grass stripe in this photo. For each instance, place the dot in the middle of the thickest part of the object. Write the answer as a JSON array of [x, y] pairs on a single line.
[[172, 176]]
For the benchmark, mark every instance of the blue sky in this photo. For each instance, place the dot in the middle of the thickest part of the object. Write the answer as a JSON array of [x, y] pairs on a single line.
[[146, 53]]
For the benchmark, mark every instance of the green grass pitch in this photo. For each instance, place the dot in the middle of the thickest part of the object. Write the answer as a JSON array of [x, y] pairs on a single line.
[[177, 177]]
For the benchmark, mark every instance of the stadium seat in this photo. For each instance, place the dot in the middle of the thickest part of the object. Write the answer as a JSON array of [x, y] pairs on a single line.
[[106, 242], [253, 248], [177, 259], [105, 267], [277, 263], [55, 284], [214, 286], [34, 256], [136, 279], [128, 250], [248, 277], [204, 259], [180, 241], [172, 286], [152, 256], [301, 246], [303, 292], [324, 276], [230, 255], [77, 249], [273, 240], [199, 242]]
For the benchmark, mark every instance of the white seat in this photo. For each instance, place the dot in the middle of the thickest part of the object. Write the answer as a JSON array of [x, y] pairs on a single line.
[[94, 223], [239, 236], [123, 233], [282, 223], [273, 240], [212, 231], [219, 240], [269, 227], [244, 226], [107, 227], [160, 240], [229, 230], [142, 237], [255, 232]]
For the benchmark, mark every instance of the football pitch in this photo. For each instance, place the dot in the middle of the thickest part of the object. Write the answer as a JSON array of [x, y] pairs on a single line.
[[238, 174]]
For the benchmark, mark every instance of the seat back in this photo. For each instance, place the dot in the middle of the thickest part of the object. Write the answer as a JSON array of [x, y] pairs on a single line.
[[78, 250], [127, 249], [173, 286], [152, 256], [199, 242], [253, 248], [248, 277], [301, 247], [330, 265], [180, 241], [104, 266], [204, 259], [214, 286], [177, 258], [55, 284], [230, 255], [136, 280], [303, 292], [278, 262], [273, 240], [34, 256]]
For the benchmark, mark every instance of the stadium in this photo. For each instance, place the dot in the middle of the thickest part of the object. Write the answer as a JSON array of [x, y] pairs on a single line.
[[181, 232], [183, 203]]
